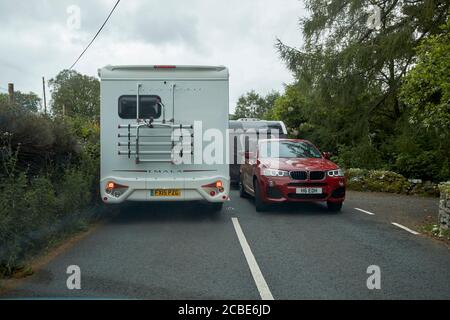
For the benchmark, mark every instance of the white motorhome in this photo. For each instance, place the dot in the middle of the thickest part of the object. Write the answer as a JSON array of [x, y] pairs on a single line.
[[245, 132], [152, 121]]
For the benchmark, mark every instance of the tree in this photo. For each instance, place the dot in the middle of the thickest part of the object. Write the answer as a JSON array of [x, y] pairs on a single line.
[[30, 101], [289, 107], [248, 105], [75, 94], [426, 88], [349, 73], [253, 105], [426, 92], [269, 103]]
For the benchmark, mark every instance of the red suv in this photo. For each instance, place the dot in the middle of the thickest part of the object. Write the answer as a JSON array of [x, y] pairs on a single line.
[[291, 170]]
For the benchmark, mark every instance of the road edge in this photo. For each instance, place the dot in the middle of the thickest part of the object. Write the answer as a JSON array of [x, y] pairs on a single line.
[[38, 262]]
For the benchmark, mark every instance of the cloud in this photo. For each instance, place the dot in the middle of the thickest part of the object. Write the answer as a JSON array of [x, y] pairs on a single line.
[[36, 41]]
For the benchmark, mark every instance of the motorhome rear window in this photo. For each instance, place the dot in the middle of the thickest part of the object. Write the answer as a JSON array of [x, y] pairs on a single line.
[[149, 107]]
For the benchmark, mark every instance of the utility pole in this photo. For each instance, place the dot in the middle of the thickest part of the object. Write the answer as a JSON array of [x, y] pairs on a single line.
[[45, 99], [11, 92]]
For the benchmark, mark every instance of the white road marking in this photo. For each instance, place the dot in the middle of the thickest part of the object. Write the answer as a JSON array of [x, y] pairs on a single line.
[[261, 284], [365, 211], [405, 228]]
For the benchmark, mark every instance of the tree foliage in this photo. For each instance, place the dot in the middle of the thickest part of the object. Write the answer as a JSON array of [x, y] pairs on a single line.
[[75, 94], [29, 101], [348, 76], [49, 171], [253, 105], [426, 92], [289, 107], [426, 88]]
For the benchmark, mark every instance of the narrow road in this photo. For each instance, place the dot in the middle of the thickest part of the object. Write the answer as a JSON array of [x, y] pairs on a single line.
[[181, 251]]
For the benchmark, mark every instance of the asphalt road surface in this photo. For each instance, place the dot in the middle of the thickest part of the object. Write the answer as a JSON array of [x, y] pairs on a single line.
[[181, 251]]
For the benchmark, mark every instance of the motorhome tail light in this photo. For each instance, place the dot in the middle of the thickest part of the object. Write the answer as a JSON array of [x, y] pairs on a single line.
[[115, 189], [218, 184], [214, 187], [164, 67]]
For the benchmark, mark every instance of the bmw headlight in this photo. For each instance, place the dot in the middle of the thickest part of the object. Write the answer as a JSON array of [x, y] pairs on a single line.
[[275, 173], [336, 173]]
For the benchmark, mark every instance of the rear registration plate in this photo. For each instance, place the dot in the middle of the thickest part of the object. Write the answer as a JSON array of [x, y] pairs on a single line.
[[165, 193], [308, 190]]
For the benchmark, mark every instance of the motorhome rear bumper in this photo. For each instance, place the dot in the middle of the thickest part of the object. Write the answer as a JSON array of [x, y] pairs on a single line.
[[140, 189]]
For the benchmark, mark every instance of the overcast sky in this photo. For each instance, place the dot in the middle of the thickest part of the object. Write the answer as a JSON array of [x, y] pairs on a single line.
[[39, 38]]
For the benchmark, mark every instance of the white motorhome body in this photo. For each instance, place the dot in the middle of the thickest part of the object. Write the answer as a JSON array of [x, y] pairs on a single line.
[[245, 129], [143, 110]]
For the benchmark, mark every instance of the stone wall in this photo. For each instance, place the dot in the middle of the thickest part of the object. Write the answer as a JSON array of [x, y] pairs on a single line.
[[444, 206], [388, 181]]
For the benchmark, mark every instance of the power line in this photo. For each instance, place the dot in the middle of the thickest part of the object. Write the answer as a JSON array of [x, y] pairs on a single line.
[[98, 32]]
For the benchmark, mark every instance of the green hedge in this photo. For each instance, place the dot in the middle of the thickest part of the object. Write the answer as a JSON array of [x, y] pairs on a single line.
[[49, 169]]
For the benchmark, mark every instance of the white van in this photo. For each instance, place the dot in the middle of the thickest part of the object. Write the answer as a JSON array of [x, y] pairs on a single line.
[[152, 120]]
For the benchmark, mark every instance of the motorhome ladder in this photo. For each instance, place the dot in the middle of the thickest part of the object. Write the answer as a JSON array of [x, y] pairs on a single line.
[[136, 140]]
